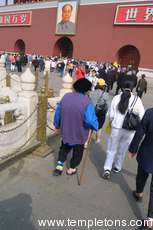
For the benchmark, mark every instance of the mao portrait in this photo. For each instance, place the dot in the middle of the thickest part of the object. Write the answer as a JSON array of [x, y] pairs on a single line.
[[66, 17]]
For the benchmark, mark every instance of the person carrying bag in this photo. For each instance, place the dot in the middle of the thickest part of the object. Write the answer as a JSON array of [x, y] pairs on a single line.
[[101, 106], [122, 106], [131, 120], [100, 100]]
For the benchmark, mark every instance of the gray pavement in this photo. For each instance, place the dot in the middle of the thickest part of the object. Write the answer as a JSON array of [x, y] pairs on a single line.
[[29, 192]]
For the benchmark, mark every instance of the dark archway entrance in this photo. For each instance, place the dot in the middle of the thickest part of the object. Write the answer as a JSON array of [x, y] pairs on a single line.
[[129, 55], [63, 48], [19, 46]]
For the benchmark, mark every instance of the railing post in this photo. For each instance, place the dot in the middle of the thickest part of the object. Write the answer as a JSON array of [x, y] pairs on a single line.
[[42, 117], [8, 118], [8, 80], [44, 149]]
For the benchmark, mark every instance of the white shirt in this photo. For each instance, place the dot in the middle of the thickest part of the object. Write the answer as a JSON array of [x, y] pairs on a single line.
[[116, 117]]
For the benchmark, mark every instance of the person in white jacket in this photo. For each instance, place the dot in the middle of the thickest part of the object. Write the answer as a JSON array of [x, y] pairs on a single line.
[[120, 138]]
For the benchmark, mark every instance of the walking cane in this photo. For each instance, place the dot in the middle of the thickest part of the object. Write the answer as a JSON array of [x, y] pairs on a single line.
[[84, 162]]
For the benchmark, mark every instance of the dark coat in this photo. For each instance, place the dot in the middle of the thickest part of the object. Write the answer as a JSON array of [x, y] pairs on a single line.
[[121, 79], [142, 85], [130, 78], [142, 143]]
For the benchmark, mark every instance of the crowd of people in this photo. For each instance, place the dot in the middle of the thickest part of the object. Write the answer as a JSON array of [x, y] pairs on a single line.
[[92, 70], [84, 110], [95, 90]]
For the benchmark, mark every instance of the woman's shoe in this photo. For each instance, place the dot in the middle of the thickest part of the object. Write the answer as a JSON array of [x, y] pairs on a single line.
[[137, 197], [58, 171], [106, 174], [116, 170], [71, 171]]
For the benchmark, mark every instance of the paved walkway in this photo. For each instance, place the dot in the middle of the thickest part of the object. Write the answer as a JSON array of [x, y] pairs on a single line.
[[29, 192]]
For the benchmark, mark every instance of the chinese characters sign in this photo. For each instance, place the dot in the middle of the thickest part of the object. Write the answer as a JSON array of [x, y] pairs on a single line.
[[141, 14], [16, 19]]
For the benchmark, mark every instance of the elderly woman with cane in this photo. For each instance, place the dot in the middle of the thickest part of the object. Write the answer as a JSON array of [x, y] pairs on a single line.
[[74, 116]]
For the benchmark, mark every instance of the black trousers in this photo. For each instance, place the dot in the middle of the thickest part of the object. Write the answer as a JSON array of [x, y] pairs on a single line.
[[101, 119], [139, 94], [71, 72], [76, 157], [141, 179]]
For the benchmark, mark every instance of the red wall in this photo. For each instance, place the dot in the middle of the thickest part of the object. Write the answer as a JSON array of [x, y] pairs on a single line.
[[96, 38]]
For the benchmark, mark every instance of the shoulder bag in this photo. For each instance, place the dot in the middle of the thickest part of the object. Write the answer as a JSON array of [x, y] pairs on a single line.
[[131, 120]]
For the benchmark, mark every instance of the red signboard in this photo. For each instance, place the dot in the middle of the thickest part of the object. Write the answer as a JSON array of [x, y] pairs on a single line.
[[16, 19], [135, 14]]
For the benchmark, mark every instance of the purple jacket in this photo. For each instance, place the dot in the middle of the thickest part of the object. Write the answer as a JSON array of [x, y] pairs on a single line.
[[70, 116]]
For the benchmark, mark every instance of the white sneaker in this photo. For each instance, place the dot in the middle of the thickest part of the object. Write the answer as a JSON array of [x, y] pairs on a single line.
[[106, 174]]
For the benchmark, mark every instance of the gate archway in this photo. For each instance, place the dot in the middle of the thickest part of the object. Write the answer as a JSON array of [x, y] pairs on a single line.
[[129, 55], [63, 48], [19, 46]]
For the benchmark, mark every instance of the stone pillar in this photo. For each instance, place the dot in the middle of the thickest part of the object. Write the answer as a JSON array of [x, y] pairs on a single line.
[[49, 91], [15, 82], [67, 85], [2, 73], [66, 88], [29, 98]]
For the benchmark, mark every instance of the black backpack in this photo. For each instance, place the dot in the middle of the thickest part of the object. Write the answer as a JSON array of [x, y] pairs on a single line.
[[101, 106]]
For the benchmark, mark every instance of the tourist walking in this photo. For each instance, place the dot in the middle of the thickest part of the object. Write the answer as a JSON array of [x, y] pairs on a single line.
[[100, 100], [120, 138], [74, 116], [142, 86], [80, 72], [142, 145], [92, 77]]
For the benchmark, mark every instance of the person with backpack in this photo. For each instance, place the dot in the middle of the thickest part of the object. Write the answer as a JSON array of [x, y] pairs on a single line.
[[120, 138], [100, 100]]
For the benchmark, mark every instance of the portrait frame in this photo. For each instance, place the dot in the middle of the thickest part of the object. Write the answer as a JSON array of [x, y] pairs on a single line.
[[69, 27]]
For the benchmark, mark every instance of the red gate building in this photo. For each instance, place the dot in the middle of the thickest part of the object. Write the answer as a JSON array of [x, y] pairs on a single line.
[[106, 30]]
